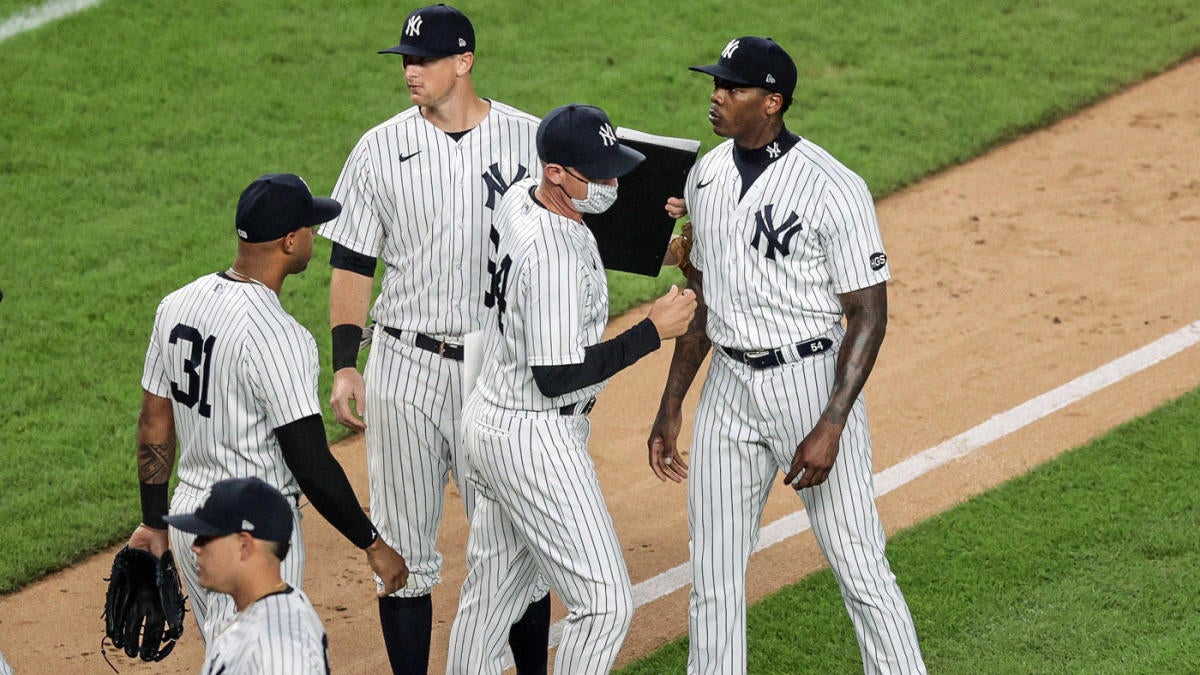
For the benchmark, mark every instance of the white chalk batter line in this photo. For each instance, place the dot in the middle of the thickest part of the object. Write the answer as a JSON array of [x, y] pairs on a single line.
[[34, 17], [960, 446]]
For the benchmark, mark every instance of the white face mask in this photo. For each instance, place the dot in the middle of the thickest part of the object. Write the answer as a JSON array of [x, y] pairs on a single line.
[[600, 198]]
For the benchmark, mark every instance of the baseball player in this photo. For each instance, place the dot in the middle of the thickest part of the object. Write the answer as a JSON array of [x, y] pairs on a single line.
[[420, 191], [538, 504], [785, 245], [232, 377], [241, 536]]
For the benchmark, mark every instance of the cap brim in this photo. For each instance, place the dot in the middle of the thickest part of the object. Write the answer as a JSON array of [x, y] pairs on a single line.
[[324, 210], [721, 72], [422, 52], [622, 162], [188, 522]]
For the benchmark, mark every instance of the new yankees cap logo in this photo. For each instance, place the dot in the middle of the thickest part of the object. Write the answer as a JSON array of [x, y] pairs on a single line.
[[247, 525], [413, 28], [730, 48]]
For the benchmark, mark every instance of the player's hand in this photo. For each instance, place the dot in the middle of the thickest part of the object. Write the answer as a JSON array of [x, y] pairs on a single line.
[[149, 539], [815, 456], [348, 386], [672, 313], [388, 565], [675, 207], [665, 460]]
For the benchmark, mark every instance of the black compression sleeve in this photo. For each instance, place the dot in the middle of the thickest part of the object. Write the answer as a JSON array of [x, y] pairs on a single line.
[[346, 340], [600, 361], [345, 259], [321, 478]]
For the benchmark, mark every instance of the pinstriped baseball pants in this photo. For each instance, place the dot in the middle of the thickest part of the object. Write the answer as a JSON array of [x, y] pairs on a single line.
[[748, 425], [538, 508]]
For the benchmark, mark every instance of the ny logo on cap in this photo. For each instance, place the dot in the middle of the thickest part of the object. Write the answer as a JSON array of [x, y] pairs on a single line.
[[414, 26], [730, 48], [607, 135]]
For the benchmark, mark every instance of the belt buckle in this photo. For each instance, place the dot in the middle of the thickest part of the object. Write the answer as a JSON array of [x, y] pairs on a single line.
[[442, 349], [760, 359]]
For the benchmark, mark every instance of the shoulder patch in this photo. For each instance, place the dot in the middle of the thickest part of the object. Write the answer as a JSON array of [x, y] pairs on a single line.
[[878, 260]]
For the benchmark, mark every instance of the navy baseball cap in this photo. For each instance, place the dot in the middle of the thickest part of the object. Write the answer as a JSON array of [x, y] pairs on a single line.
[[757, 62], [240, 505], [277, 204], [581, 136], [435, 32]]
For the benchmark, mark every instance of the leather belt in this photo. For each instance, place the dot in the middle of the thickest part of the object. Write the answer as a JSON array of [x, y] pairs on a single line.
[[446, 350], [769, 358], [580, 408]]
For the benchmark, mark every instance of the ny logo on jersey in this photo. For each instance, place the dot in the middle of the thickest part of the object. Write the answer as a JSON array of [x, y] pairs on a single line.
[[730, 48], [414, 26], [498, 285], [607, 135], [496, 184], [778, 238]]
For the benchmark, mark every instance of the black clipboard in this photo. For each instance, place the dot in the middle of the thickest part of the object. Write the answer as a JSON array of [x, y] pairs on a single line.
[[632, 235]]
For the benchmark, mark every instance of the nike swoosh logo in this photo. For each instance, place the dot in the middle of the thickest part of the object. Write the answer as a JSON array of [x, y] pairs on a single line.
[[701, 186], [405, 158]]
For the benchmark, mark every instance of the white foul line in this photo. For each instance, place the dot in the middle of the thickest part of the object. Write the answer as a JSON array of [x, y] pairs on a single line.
[[960, 446], [34, 17]]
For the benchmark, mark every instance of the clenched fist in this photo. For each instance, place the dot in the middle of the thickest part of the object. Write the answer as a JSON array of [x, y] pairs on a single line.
[[672, 313]]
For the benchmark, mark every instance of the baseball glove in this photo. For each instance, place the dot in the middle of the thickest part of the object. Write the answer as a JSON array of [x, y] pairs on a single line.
[[143, 608], [681, 247]]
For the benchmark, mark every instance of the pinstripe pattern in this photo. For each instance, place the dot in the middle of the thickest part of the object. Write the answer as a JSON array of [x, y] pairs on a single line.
[[768, 285], [831, 254], [427, 218], [5, 669], [539, 506], [424, 204], [556, 303], [261, 373], [211, 609], [279, 634]]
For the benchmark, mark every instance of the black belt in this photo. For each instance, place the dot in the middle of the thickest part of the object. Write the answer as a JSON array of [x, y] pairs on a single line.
[[769, 358], [580, 408], [422, 341]]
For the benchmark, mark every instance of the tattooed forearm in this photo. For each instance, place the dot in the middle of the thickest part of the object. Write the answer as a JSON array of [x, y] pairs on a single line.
[[155, 462]]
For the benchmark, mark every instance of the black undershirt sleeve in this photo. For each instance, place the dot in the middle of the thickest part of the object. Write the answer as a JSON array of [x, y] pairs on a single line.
[[600, 361], [322, 479], [343, 258]]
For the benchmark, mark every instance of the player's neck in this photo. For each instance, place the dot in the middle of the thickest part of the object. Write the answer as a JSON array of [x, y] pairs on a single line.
[[462, 112], [556, 201], [757, 138], [254, 271], [256, 589]]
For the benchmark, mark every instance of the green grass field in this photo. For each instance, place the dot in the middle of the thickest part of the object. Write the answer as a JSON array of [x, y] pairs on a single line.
[[1086, 565], [129, 130]]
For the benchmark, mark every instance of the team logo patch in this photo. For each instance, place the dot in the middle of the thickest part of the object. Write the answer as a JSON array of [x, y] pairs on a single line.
[[878, 260], [778, 237], [730, 48], [607, 135], [413, 28]]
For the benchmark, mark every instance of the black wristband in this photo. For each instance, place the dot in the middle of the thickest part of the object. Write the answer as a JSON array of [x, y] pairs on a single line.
[[346, 338], [154, 504]]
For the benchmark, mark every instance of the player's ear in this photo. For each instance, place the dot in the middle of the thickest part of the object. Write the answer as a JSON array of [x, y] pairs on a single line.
[[554, 172], [464, 63], [773, 103]]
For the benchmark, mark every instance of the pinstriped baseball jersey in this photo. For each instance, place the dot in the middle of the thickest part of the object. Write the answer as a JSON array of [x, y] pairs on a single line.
[[804, 232], [550, 300], [235, 366], [423, 203], [279, 633]]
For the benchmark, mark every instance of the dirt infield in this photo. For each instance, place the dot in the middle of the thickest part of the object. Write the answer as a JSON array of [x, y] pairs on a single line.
[[1013, 274]]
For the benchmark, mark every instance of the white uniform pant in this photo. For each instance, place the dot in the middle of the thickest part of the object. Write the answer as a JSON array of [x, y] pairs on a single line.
[[539, 508], [214, 610], [748, 425], [414, 444]]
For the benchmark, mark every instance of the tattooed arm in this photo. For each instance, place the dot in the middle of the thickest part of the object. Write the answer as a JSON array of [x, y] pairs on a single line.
[[690, 350], [156, 460]]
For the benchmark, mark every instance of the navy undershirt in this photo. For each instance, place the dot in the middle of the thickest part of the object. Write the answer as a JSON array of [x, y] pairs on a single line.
[[752, 163]]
